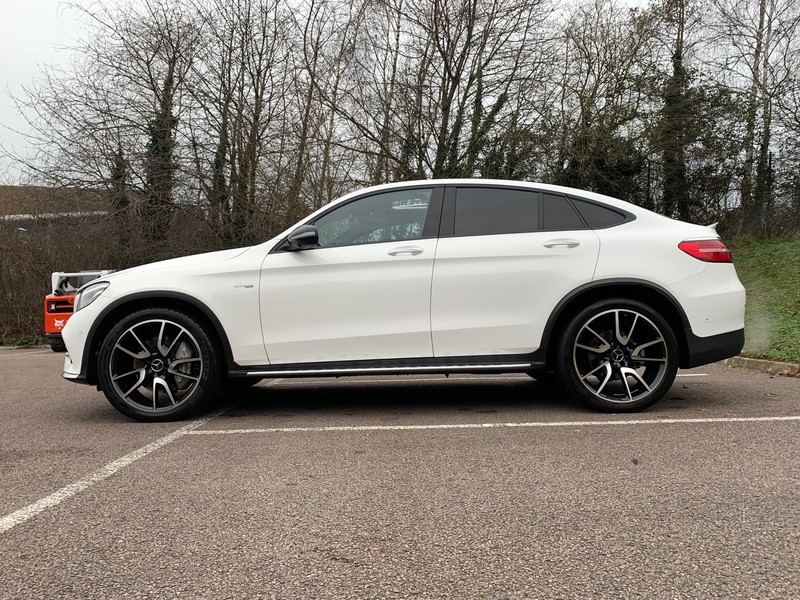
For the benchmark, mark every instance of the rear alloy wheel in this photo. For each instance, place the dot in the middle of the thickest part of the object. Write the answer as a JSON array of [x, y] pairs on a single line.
[[618, 355], [158, 365]]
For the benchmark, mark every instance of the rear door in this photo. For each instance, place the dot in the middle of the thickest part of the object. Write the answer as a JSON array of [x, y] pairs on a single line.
[[505, 258]]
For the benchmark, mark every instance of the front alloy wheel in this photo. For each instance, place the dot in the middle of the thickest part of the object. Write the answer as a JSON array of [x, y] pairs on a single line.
[[158, 365], [618, 355]]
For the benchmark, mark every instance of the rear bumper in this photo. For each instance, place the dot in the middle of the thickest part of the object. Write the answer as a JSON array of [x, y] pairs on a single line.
[[704, 350]]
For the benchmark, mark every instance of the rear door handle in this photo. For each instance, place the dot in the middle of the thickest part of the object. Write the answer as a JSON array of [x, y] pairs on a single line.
[[568, 242], [413, 250]]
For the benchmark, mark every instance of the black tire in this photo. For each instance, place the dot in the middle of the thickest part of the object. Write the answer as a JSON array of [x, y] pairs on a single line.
[[617, 355], [159, 364]]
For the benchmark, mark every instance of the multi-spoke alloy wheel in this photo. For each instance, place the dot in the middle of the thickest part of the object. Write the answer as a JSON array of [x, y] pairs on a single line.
[[158, 364], [618, 355]]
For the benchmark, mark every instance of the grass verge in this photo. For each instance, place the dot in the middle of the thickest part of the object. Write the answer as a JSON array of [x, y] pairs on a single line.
[[26, 341], [770, 272]]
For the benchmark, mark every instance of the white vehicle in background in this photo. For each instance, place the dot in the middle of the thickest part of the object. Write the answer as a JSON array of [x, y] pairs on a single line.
[[432, 276]]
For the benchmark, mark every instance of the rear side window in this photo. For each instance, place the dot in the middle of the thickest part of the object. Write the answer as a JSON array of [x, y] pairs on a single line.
[[488, 211], [598, 217], [558, 214]]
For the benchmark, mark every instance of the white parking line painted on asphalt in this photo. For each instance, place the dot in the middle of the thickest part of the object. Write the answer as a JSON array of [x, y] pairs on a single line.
[[692, 375], [491, 425], [23, 514]]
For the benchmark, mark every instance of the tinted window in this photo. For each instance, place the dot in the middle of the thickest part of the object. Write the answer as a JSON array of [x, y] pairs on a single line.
[[558, 214], [484, 211], [597, 216], [380, 218]]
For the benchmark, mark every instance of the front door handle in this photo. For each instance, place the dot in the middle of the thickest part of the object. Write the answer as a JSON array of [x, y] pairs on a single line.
[[413, 250], [568, 242]]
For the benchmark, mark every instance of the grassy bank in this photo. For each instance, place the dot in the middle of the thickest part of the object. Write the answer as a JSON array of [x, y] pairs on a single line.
[[770, 272]]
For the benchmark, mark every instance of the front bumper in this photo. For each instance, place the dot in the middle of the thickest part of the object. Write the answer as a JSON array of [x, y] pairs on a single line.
[[71, 372], [78, 334]]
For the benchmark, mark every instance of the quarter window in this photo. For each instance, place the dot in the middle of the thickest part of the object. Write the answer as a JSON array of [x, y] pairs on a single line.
[[596, 216]]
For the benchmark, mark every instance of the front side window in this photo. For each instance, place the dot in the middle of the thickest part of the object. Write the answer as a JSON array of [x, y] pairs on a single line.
[[487, 211], [386, 217]]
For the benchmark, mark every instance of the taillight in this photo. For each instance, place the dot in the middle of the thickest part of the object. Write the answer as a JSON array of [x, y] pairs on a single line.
[[708, 250]]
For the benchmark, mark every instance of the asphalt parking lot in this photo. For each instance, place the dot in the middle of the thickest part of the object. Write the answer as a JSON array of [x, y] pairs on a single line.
[[412, 487]]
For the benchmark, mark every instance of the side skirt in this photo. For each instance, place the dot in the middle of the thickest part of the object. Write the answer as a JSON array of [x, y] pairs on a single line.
[[472, 364]]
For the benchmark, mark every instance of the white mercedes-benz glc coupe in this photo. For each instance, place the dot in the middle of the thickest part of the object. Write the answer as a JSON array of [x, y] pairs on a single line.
[[433, 276]]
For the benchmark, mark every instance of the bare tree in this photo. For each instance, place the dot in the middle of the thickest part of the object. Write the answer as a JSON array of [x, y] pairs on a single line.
[[474, 63], [237, 91], [758, 37], [429, 82], [121, 103], [325, 30], [606, 58]]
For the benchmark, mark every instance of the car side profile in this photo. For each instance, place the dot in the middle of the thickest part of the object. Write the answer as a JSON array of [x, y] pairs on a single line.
[[431, 276]]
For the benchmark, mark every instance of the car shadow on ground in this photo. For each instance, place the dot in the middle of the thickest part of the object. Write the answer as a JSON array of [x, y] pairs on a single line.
[[482, 397], [272, 398]]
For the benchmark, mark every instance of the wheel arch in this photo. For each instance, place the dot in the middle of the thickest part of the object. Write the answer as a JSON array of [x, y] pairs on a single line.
[[653, 295], [115, 311]]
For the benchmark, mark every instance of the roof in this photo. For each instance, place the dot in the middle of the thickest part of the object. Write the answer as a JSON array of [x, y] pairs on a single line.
[[478, 181]]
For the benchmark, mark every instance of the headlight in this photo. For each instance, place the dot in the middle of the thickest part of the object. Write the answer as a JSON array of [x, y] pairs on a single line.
[[88, 294]]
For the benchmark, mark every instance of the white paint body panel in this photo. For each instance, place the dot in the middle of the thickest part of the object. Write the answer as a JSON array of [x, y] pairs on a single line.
[[712, 300], [493, 294], [348, 303], [225, 282]]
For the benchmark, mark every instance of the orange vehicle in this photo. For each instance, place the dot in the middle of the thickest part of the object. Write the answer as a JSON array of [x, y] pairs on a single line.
[[58, 305]]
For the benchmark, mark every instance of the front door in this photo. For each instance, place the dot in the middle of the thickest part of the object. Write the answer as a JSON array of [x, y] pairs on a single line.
[[363, 293]]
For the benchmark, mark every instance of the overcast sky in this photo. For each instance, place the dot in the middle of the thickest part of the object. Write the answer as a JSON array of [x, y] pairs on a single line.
[[31, 33]]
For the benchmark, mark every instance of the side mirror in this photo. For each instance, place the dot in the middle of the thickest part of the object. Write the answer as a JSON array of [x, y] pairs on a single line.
[[303, 238]]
